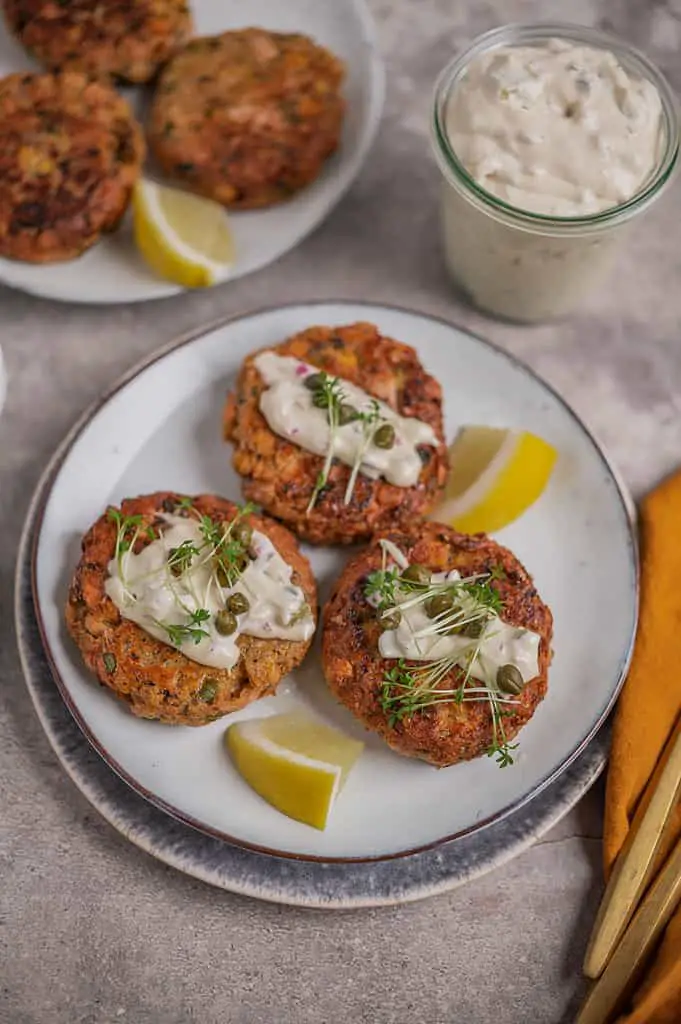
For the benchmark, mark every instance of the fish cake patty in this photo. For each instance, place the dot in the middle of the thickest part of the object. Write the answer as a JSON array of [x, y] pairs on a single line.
[[127, 39], [70, 152], [247, 118], [281, 477], [445, 733], [154, 679]]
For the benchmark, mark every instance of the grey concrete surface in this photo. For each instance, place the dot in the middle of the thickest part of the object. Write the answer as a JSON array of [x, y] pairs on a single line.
[[94, 932]]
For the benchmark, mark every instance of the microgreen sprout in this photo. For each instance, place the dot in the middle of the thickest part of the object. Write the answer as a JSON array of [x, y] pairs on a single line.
[[329, 396], [180, 634]]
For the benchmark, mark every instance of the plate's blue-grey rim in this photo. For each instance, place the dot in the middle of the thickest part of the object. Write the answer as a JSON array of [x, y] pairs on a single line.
[[43, 493]]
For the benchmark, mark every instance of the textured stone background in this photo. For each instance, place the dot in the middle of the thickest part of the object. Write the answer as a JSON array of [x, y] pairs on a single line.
[[93, 931]]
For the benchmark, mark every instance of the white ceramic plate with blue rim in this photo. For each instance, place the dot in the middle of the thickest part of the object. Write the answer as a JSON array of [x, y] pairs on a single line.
[[160, 429], [112, 271]]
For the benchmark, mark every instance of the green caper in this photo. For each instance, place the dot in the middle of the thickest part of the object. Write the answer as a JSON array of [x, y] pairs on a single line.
[[474, 629], [238, 604], [209, 690], [347, 413], [225, 623], [314, 381], [389, 617], [385, 436], [439, 604], [222, 575], [416, 574], [175, 567], [243, 533], [509, 679]]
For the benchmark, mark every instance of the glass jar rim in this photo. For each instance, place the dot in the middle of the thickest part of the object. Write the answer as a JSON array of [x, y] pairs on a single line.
[[518, 33]]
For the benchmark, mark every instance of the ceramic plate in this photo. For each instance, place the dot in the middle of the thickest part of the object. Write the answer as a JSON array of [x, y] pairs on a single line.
[[303, 883], [161, 429], [113, 272]]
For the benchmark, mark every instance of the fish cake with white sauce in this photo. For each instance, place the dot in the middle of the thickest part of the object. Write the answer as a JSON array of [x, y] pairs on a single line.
[[359, 389], [190, 608], [439, 642]]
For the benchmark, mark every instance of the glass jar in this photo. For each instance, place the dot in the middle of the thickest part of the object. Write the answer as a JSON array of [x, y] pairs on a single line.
[[527, 266]]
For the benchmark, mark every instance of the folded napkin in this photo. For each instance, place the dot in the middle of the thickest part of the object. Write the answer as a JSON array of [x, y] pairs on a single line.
[[648, 713]]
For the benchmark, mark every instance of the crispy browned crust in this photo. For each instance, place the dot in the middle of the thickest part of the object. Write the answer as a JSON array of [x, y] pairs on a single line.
[[156, 680], [247, 118], [70, 152], [128, 39], [354, 670], [281, 477]]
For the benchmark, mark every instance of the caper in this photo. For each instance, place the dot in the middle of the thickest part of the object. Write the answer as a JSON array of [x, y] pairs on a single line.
[[385, 436], [416, 574], [320, 399], [509, 679], [347, 413], [474, 629], [109, 661], [209, 690], [222, 575], [225, 623], [439, 604], [314, 381], [175, 567], [243, 533], [238, 603], [389, 617]]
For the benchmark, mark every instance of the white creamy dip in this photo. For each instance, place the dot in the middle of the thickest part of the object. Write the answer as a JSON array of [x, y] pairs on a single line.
[[499, 643], [147, 593], [556, 128], [288, 407]]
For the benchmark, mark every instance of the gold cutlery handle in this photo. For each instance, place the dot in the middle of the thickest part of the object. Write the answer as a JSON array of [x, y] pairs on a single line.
[[635, 864], [624, 967]]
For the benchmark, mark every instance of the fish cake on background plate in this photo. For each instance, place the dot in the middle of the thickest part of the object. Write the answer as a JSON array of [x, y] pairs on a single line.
[[389, 460], [248, 117], [190, 608], [127, 39], [443, 667], [70, 153]]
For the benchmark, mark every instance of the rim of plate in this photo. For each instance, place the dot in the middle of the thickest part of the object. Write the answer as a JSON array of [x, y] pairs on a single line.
[[377, 78], [188, 338]]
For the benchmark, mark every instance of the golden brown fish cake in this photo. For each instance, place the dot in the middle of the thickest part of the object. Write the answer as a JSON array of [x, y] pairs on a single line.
[[70, 152], [156, 680], [448, 732], [127, 39], [247, 118], [280, 476]]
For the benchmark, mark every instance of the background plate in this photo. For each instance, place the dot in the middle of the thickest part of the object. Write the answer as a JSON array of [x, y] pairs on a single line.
[[112, 271], [161, 429], [293, 882]]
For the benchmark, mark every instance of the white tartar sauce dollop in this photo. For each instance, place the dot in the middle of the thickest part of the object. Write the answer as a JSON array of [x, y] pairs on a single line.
[[499, 643], [556, 128], [288, 407], [146, 592]]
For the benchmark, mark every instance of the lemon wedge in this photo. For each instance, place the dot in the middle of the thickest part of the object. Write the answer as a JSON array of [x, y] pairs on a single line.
[[495, 475], [184, 238], [293, 761]]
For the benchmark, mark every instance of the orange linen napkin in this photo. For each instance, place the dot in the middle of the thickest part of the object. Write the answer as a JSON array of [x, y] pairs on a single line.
[[648, 712]]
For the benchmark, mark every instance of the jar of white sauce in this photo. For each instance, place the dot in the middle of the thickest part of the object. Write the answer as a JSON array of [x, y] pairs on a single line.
[[551, 139]]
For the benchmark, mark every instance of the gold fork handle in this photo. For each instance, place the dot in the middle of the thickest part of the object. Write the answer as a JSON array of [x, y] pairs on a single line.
[[624, 967]]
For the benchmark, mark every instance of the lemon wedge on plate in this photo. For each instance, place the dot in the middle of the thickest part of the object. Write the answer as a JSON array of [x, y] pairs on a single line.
[[295, 762], [184, 238], [495, 475]]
